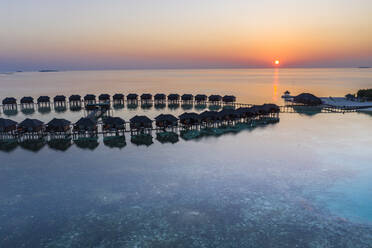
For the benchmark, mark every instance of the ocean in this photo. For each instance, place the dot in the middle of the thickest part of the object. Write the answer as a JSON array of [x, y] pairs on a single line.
[[302, 182]]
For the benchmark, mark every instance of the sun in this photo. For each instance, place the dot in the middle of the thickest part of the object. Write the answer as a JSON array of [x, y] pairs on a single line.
[[276, 62]]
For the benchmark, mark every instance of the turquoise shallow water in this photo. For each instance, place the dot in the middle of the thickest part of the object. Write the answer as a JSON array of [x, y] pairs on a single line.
[[305, 181]]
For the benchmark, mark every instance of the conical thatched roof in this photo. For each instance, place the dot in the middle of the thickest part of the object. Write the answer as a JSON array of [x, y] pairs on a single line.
[[201, 97], [243, 111], [146, 96], [229, 98], [59, 98], [208, 115], [187, 97], [173, 97], [113, 121], [89, 97], [132, 96], [166, 117], [6, 123], [104, 97], [190, 116], [58, 123], [227, 113], [75, 98], [9, 100], [160, 96], [85, 122], [308, 99], [118, 96], [140, 119], [27, 99], [43, 99], [31, 123], [271, 108], [214, 98]]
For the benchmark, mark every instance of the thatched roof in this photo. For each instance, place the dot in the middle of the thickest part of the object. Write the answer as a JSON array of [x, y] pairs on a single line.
[[6, 123], [74, 98], [146, 96], [228, 113], [159, 96], [173, 97], [27, 99], [58, 123], [113, 121], [59, 98], [243, 111], [166, 117], [308, 99], [201, 97], [256, 109], [132, 96], [271, 108], [214, 98], [118, 96], [9, 100], [43, 99], [85, 123], [208, 115], [31, 123], [190, 116], [228, 98], [89, 97], [187, 97], [140, 119], [104, 97]]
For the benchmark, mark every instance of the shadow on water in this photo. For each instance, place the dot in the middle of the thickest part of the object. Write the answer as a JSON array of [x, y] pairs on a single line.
[[60, 109], [8, 146], [28, 111], [87, 143], [160, 106], [60, 144], [306, 110], [115, 141], [33, 145], [167, 137], [10, 112], [142, 139], [200, 106], [44, 110], [186, 106], [173, 106], [369, 113], [118, 106], [132, 106]]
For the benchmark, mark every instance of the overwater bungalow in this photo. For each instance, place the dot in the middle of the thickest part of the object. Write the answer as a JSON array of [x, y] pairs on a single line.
[[187, 98], [307, 99], [8, 129], [118, 99], [229, 99], [140, 124], [58, 128], [27, 104], [89, 99], [215, 99], [9, 104], [271, 109], [209, 118], [228, 116], [189, 120], [245, 113], [104, 98], [59, 102], [75, 102], [113, 125], [85, 127], [173, 98], [160, 98], [43, 102], [201, 99], [164, 121], [146, 98], [132, 98], [30, 129]]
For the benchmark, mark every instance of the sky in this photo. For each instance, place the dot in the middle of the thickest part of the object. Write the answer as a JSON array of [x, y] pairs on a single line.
[[150, 34]]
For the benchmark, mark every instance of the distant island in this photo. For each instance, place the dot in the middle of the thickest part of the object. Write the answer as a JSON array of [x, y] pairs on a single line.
[[364, 67], [48, 71]]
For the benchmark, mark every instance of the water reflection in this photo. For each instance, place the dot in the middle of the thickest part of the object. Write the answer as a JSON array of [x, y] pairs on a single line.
[[60, 144]]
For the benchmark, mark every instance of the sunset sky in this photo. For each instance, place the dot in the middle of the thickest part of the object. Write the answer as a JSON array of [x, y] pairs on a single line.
[[122, 34]]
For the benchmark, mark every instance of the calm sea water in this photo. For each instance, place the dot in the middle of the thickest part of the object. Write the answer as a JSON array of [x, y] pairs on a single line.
[[303, 182]]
